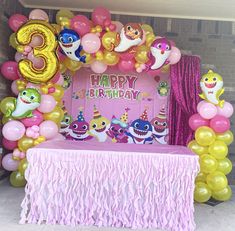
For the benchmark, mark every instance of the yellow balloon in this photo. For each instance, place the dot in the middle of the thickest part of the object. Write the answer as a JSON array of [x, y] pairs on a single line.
[[165, 68], [6, 119], [196, 148], [224, 194], [110, 40], [217, 181], [147, 29], [227, 137], [17, 179], [57, 28], [56, 115], [218, 149], [46, 51], [71, 64], [7, 106], [149, 39], [59, 92], [202, 192], [205, 136], [208, 163], [63, 14], [225, 166], [201, 177], [22, 166], [141, 55], [13, 41], [110, 58], [62, 68], [25, 143]]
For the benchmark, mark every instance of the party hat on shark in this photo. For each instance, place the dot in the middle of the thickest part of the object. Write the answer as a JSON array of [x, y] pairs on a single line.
[[96, 113], [124, 117], [80, 115], [144, 115]]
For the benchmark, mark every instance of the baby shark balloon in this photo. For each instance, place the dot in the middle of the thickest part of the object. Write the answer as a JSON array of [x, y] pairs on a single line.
[[28, 100], [212, 88]]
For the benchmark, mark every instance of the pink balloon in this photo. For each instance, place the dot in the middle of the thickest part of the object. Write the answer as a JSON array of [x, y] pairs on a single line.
[[37, 62], [19, 56], [175, 55], [126, 65], [9, 164], [118, 25], [126, 55], [14, 88], [16, 21], [98, 67], [200, 104], [47, 104], [8, 144], [48, 129], [207, 110], [58, 137], [13, 130], [226, 110], [81, 24], [9, 70], [58, 79], [154, 73], [37, 40], [196, 121], [100, 15], [91, 43], [220, 124], [36, 119], [38, 14]]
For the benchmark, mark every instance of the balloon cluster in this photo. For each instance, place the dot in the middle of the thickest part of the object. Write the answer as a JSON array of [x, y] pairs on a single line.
[[212, 137]]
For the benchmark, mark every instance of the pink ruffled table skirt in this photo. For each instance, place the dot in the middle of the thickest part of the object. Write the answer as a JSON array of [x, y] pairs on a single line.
[[117, 185]]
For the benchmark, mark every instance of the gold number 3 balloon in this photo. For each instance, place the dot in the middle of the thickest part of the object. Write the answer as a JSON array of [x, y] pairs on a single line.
[[46, 51]]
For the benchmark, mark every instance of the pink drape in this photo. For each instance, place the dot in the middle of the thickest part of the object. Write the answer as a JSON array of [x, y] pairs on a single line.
[[185, 87]]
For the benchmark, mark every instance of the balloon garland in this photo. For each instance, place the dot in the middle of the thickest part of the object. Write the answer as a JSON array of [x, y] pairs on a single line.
[[212, 138], [45, 51]]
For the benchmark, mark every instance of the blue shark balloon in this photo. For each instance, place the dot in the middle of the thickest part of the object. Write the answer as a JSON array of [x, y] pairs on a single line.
[[70, 44]]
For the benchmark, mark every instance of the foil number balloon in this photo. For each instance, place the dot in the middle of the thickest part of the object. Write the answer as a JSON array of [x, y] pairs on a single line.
[[46, 51]]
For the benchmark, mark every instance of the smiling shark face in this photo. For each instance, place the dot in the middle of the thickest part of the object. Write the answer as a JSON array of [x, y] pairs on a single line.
[[69, 40], [141, 129], [64, 125]]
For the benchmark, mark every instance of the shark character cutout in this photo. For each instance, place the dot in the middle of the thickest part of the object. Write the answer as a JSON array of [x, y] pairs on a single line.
[[70, 43]]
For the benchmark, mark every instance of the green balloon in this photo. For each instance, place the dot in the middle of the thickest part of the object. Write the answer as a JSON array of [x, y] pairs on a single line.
[[7, 106], [17, 179]]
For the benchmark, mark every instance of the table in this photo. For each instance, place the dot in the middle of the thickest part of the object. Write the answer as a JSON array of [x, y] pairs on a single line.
[[111, 185]]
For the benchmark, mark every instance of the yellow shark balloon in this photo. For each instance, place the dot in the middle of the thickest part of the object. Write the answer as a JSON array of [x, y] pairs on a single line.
[[212, 88]]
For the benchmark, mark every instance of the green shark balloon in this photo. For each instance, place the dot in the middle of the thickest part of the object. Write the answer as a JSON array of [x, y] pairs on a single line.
[[28, 100]]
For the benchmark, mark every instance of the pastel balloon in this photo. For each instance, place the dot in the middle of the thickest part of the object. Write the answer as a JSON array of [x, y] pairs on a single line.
[[207, 110], [19, 56], [14, 88], [8, 144], [224, 194], [7, 105], [38, 14], [91, 43], [13, 130], [37, 62], [16, 21], [225, 166], [126, 65], [175, 55], [196, 148], [220, 124], [208, 163], [37, 40], [118, 25], [36, 119], [201, 177], [56, 115], [25, 143], [98, 67], [126, 56], [200, 104], [8, 163], [100, 15], [202, 192], [218, 149], [58, 93], [217, 181], [9, 70], [81, 24], [58, 79], [205, 136], [196, 121], [226, 110], [17, 179], [63, 14], [58, 137], [226, 137], [48, 129], [48, 103]]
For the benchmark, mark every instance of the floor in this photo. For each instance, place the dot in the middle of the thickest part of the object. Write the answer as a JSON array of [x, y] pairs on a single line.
[[208, 218]]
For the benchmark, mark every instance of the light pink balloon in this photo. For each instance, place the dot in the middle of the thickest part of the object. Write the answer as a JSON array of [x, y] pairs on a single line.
[[38, 14], [207, 110], [98, 67], [58, 79], [37, 62], [200, 104], [19, 56], [37, 40], [9, 70], [126, 65], [14, 88], [100, 15], [81, 24], [154, 73], [118, 25], [16, 21], [226, 110], [13, 130], [126, 55], [48, 129], [91, 43], [175, 55], [8, 144], [9, 164], [220, 124], [47, 104], [196, 121], [36, 119], [58, 137]]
